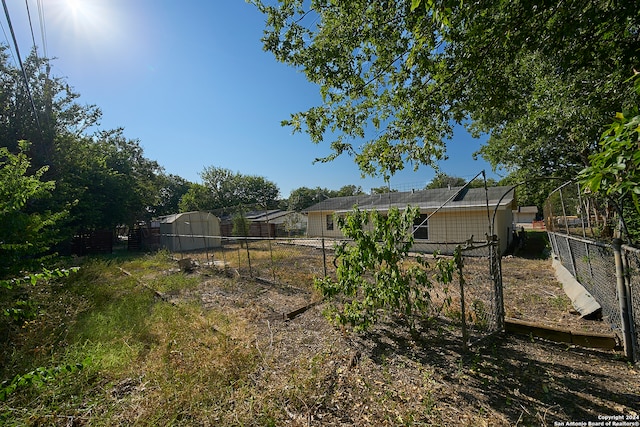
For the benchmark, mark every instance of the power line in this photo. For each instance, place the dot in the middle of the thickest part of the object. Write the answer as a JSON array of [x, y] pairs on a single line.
[[43, 29], [33, 38], [8, 45], [24, 73]]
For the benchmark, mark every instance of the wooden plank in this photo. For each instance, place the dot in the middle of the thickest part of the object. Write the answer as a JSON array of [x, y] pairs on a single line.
[[583, 339], [296, 313]]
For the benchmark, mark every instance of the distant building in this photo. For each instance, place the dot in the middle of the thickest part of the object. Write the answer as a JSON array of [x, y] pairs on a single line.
[[524, 215], [189, 231], [269, 223], [448, 216]]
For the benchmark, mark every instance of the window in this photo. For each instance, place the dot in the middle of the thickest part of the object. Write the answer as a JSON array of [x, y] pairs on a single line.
[[329, 222], [421, 227]]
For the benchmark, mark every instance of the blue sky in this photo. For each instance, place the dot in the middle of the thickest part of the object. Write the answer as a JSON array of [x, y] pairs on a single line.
[[190, 80]]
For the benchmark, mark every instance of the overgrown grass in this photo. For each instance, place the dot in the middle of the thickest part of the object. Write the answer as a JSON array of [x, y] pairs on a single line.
[[143, 360]]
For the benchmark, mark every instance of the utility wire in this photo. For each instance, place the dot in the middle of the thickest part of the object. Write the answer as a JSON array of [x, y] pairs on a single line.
[[8, 45], [43, 29], [33, 37], [24, 73]]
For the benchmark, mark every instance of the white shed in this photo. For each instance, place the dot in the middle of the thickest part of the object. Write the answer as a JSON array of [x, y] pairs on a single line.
[[190, 231]]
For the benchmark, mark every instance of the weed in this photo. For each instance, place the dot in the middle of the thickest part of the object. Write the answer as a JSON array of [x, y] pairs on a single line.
[[560, 302]]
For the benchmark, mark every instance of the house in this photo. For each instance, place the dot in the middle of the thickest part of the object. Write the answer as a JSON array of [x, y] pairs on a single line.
[[448, 216], [524, 216], [189, 231], [269, 223]]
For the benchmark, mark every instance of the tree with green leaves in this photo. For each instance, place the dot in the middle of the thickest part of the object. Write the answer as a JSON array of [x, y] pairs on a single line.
[[375, 274], [303, 197], [197, 198], [221, 189], [172, 188], [614, 170], [442, 180], [102, 178], [396, 76], [26, 235], [348, 190], [108, 180]]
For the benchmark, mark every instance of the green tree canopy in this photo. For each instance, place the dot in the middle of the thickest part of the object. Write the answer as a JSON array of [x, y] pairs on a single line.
[[303, 197], [172, 188], [108, 180], [221, 188], [102, 178], [541, 79], [25, 234], [442, 180]]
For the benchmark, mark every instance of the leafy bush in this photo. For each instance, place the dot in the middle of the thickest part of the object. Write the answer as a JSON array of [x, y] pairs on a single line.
[[375, 272], [26, 235]]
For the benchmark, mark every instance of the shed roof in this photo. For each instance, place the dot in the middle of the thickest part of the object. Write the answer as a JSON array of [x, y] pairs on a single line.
[[527, 209], [168, 219], [268, 215], [454, 197]]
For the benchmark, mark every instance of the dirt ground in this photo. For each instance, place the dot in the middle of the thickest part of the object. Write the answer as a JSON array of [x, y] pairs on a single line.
[[324, 376]]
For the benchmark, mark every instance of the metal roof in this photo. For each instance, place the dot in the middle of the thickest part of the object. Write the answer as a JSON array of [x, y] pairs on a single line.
[[454, 197], [168, 219]]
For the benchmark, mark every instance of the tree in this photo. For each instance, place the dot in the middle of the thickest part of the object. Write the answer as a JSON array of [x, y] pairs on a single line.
[[197, 198], [25, 235], [303, 197], [614, 171], [373, 273], [221, 188], [57, 112], [102, 178], [540, 79], [107, 178], [383, 190], [172, 188], [442, 180], [348, 190]]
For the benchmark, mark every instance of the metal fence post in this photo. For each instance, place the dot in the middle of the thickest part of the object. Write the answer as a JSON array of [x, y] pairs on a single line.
[[630, 299], [496, 273], [324, 259], [623, 300]]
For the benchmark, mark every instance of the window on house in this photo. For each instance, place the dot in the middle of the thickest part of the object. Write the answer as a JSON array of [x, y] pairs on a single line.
[[329, 222], [421, 227]]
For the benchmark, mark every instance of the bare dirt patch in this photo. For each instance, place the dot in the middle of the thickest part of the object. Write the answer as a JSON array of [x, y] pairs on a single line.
[[316, 374]]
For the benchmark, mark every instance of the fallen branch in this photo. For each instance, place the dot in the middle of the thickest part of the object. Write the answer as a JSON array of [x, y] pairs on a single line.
[[156, 292]]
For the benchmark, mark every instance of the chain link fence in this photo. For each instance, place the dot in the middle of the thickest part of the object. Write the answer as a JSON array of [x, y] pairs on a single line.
[[481, 293], [591, 264], [449, 218], [297, 262], [581, 231], [631, 264]]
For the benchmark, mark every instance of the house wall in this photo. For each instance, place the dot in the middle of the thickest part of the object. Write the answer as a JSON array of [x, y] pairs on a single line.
[[191, 231], [503, 227], [446, 228], [524, 217], [317, 226]]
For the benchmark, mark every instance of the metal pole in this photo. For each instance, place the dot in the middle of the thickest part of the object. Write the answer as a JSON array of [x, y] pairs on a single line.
[[623, 300]]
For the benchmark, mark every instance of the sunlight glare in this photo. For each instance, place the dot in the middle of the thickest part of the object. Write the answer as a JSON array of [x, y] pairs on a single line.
[[92, 22]]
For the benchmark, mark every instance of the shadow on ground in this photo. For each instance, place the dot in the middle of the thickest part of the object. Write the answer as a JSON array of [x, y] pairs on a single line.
[[527, 381]]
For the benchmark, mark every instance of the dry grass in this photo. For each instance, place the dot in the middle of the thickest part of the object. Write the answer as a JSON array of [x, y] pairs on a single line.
[[220, 352]]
